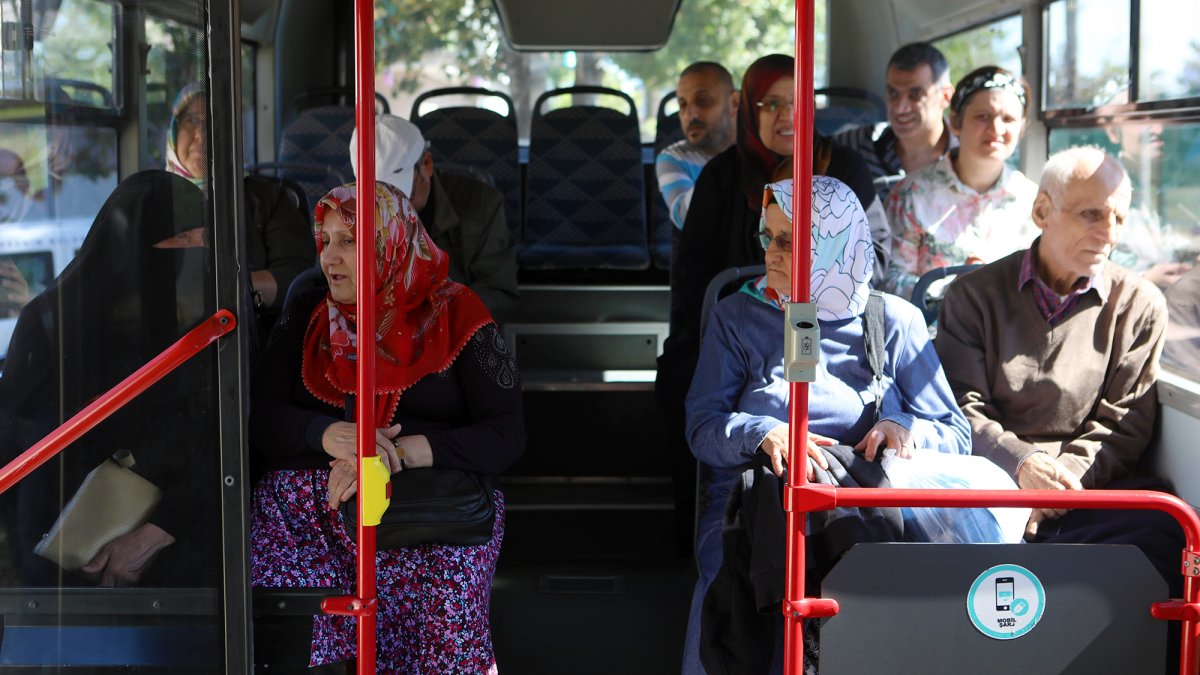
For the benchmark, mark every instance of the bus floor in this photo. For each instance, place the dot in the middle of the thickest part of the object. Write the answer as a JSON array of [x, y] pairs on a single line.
[[622, 610], [591, 578]]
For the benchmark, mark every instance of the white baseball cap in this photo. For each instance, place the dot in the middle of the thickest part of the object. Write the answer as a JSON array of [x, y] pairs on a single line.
[[399, 145]]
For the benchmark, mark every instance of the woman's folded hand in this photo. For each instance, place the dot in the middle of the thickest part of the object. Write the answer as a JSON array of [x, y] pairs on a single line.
[[340, 442], [343, 481], [775, 446], [886, 434]]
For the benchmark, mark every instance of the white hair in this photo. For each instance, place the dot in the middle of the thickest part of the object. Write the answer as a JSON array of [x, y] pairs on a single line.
[[1065, 165]]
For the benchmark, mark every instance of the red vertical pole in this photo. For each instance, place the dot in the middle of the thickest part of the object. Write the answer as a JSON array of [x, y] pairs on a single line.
[[364, 120], [793, 638]]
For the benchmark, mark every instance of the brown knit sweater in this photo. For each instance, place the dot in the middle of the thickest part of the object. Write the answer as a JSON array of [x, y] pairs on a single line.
[[1082, 391]]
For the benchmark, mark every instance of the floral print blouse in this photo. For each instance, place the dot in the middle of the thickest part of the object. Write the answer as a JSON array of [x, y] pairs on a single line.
[[938, 221]]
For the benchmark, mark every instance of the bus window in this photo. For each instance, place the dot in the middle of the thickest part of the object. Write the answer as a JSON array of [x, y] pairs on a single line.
[[1083, 69], [463, 45], [997, 43], [68, 41], [58, 143], [1169, 63]]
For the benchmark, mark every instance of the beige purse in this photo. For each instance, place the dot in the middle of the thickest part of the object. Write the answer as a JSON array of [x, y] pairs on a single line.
[[112, 501]]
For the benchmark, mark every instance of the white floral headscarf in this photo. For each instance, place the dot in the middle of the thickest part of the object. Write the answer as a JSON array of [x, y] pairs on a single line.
[[842, 253]]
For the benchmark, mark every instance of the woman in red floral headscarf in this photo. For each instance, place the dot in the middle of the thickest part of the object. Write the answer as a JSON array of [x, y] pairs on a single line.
[[448, 397]]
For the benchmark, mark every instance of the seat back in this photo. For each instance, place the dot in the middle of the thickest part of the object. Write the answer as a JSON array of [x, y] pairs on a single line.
[[476, 137], [724, 283], [931, 287], [585, 200], [337, 96], [294, 191], [847, 107], [315, 146], [662, 233]]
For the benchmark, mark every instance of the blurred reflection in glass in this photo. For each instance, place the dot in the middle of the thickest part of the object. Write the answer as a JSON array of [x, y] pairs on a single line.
[[138, 283]]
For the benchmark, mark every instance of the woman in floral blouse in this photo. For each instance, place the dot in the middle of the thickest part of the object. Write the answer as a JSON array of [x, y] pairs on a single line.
[[969, 207]]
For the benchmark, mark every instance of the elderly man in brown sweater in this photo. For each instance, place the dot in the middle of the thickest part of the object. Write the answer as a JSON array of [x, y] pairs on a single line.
[[1053, 354]]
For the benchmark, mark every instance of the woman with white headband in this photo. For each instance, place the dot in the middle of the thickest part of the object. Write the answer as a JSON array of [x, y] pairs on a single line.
[[969, 207]]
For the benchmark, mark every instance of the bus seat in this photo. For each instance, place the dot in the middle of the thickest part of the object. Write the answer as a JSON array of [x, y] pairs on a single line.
[[666, 132], [336, 96], [585, 199], [310, 278], [927, 294], [477, 137], [314, 147], [724, 283], [294, 191], [847, 107]]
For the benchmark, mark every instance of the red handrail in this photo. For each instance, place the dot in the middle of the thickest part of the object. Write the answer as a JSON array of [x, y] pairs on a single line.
[[802, 124], [800, 500], [363, 604], [125, 391]]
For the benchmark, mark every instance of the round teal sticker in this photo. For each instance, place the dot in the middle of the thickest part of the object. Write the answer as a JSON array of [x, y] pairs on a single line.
[[1006, 602]]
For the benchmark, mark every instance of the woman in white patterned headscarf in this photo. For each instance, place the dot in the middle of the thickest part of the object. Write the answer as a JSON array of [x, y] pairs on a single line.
[[738, 402]]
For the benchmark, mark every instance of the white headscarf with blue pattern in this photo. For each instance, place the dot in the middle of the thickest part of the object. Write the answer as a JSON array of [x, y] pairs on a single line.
[[843, 256]]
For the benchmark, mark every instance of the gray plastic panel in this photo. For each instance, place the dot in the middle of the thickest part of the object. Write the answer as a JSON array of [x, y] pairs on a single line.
[[903, 610]]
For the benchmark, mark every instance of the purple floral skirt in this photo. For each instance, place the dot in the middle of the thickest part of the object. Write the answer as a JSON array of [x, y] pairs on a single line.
[[433, 600]]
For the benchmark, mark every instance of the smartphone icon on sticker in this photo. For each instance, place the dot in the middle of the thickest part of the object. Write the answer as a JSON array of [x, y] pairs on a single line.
[[1004, 593]]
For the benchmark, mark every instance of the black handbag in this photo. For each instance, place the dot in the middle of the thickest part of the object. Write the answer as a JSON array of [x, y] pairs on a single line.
[[431, 506]]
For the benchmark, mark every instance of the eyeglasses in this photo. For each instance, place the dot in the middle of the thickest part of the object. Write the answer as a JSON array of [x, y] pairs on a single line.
[[782, 241], [773, 104], [192, 121]]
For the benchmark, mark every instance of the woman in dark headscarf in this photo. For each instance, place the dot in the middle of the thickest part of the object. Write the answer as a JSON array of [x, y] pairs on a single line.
[[138, 283], [448, 398]]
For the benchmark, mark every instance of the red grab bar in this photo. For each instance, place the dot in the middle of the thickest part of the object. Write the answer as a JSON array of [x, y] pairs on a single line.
[[800, 500], [802, 150], [97, 411], [363, 603]]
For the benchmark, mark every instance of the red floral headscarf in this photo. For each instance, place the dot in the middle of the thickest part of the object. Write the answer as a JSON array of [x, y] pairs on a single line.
[[423, 319]]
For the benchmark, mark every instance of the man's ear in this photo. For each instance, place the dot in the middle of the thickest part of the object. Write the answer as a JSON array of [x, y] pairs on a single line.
[[955, 123], [427, 165], [1042, 205], [735, 99], [947, 95]]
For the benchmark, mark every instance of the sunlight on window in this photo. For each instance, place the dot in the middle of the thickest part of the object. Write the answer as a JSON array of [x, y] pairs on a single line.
[[1169, 50], [1087, 61], [470, 50]]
